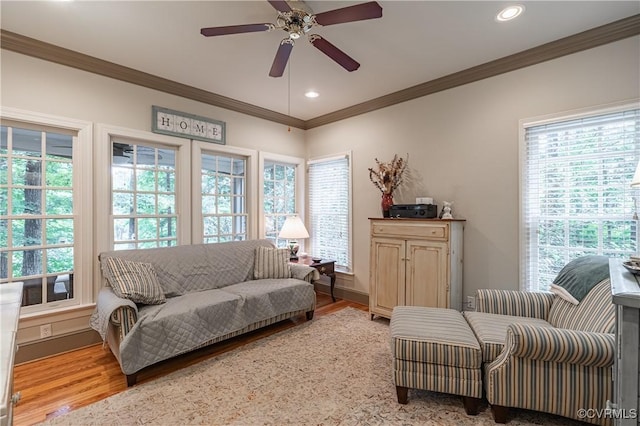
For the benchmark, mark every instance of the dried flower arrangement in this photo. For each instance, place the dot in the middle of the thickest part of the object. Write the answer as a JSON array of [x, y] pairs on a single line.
[[388, 176]]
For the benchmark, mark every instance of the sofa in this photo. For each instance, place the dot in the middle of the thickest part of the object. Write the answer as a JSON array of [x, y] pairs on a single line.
[[550, 352], [162, 302]]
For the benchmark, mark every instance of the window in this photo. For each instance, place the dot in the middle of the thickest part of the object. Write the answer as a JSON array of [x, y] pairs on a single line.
[[330, 209], [281, 189], [224, 197], [576, 198], [159, 191], [44, 161], [143, 190], [143, 195]]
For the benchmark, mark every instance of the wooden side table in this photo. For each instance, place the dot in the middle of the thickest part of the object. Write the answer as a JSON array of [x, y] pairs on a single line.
[[326, 267]]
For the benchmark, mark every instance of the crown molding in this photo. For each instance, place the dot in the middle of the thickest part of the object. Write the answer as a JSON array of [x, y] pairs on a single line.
[[49, 52], [595, 37], [598, 36]]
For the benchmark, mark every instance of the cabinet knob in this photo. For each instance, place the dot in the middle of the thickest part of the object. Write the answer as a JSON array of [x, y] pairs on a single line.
[[15, 398]]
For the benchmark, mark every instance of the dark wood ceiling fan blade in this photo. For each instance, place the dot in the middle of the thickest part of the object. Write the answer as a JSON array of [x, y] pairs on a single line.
[[281, 59], [358, 12], [344, 60], [280, 5], [235, 29]]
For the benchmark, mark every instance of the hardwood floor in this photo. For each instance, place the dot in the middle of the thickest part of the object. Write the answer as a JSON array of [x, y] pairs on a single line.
[[62, 383]]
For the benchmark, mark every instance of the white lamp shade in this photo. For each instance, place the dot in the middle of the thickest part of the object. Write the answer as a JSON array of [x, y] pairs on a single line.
[[635, 182], [293, 229]]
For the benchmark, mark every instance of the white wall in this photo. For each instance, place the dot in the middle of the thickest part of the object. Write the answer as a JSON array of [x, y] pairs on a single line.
[[45, 87], [463, 147]]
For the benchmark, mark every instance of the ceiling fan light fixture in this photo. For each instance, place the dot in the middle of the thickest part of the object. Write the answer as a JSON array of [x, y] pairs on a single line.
[[296, 23], [509, 13]]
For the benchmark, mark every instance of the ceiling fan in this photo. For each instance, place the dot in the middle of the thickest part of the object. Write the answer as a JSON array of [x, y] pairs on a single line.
[[296, 23]]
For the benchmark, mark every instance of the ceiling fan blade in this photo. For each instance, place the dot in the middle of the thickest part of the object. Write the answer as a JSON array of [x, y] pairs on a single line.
[[358, 12], [235, 29], [300, 5], [281, 59], [344, 60], [280, 5]]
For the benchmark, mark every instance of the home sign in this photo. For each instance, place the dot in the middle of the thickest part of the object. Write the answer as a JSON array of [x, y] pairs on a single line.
[[183, 125]]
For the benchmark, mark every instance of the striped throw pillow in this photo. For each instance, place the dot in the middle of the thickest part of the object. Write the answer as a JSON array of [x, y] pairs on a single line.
[[135, 281], [271, 263]]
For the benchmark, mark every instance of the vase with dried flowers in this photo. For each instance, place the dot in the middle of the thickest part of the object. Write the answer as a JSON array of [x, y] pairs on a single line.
[[387, 177]]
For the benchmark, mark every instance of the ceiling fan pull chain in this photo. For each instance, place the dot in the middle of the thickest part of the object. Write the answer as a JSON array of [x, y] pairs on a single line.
[[289, 94]]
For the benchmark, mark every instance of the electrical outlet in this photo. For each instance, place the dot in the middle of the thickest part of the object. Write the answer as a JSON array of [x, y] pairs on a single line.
[[45, 331], [471, 303]]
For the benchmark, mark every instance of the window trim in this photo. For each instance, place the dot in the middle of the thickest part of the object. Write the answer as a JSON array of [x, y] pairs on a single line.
[[299, 164], [196, 185], [525, 123], [84, 291], [339, 155]]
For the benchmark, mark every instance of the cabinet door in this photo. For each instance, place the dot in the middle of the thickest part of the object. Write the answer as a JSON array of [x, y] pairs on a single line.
[[427, 274], [387, 279]]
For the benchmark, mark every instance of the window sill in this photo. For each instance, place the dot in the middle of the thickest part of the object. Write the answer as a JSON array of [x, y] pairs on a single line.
[[343, 271], [60, 314]]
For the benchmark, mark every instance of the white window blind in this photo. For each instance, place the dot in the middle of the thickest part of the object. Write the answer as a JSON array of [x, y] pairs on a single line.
[[576, 194], [329, 202]]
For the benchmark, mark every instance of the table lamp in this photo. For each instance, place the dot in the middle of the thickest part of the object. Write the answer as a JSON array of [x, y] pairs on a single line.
[[293, 230]]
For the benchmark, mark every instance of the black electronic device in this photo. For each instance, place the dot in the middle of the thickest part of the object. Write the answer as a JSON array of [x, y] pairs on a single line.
[[416, 211]]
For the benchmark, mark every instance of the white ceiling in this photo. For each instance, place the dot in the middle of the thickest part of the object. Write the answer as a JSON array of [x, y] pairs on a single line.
[[414, 42]]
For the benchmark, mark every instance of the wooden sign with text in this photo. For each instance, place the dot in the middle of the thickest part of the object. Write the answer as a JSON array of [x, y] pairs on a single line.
[[183, 125]]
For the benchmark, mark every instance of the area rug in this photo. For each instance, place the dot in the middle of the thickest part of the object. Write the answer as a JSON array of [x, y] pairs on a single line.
[[335, 370]]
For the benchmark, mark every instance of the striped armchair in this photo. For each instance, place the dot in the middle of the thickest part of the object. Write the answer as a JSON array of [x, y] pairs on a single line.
[[543, 353]]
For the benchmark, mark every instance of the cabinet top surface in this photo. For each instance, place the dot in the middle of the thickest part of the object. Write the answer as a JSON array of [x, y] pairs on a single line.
[[410, 219], [624, 285], [11, 294], [10, 300]]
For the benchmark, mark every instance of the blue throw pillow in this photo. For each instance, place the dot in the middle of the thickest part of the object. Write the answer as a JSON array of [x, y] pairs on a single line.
[[579, 276]]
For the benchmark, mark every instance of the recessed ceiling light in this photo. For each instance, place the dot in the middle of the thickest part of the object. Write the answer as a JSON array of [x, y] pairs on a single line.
[[509, 13], [312, 94]]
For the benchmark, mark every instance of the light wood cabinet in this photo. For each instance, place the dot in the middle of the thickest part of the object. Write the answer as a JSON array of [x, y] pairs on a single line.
[[415, 262]]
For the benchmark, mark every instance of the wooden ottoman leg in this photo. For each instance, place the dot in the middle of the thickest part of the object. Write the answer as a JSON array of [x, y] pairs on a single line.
[[403, 394], [471, 405], [500, 413]]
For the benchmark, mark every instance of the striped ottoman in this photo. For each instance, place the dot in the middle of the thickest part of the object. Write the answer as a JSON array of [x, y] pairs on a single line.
[[434, 349]]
